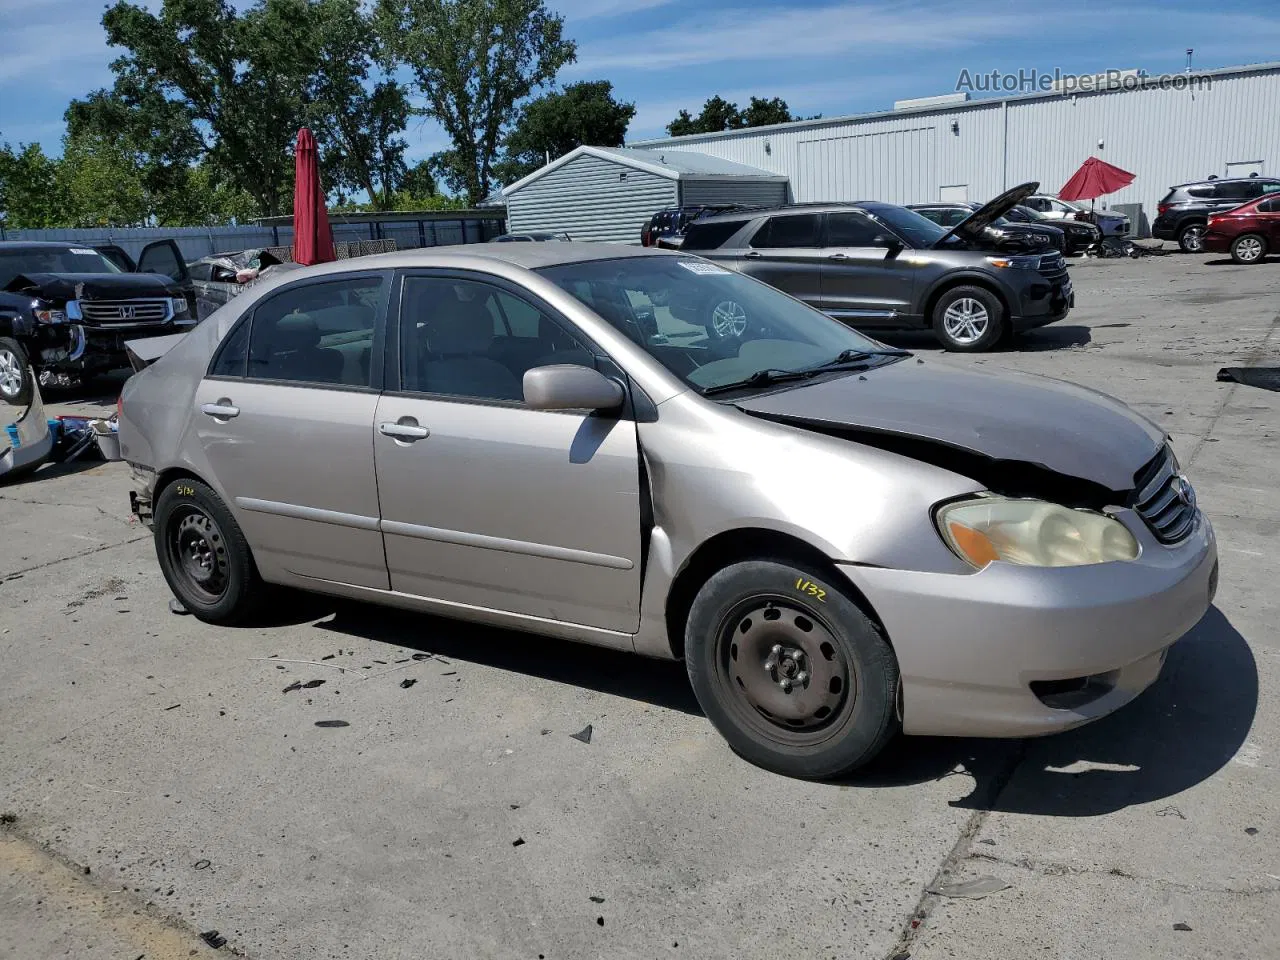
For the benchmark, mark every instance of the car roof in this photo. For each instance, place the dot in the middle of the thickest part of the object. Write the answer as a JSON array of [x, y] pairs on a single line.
[[753, 212], [531, 256], [1212, 183], [44, 245]]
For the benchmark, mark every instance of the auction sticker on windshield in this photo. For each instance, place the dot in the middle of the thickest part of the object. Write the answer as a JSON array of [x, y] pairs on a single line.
[[703, 269], [83, 251]]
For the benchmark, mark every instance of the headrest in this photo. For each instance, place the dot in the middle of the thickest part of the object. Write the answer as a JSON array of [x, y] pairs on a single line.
[[296, 331], [459, 327]]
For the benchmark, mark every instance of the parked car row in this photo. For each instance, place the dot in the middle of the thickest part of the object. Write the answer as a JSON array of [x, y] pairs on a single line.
[[1184, 213]]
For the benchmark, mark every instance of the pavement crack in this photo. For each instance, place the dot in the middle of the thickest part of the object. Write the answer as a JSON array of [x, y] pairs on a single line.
[[77, 556], [958, 852], [1050, 868]]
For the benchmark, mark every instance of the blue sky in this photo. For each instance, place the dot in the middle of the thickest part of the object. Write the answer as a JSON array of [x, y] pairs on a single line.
[[821, 56]]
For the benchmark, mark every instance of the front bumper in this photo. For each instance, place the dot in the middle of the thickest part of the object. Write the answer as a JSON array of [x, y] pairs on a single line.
[[85, 349], [1042, 301], [970, 646]]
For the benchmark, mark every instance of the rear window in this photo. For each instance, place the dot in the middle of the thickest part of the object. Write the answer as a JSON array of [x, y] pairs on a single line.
[[1202, 193], [709, 236]]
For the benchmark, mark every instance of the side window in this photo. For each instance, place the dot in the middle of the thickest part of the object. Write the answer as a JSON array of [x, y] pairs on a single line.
[[851, 230], [232, 358], [797, 230], [1269, 206], [1238, 190], [929, 214], [953, 217], [317, 333], [1269, 187], [709, 236], [1201, 193], [470, 339]]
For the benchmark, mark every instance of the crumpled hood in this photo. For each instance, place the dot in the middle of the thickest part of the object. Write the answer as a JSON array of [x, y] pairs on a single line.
[[1062, 427], [93, 286]]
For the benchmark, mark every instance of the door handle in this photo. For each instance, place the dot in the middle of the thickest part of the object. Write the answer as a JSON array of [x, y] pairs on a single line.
[[837, 256], [224, 409], [404, 430], [753, 254]]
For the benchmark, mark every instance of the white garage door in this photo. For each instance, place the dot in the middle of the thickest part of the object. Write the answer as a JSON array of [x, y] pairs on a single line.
[[896, 167]]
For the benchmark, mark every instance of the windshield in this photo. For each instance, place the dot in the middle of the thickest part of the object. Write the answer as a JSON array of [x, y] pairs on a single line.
[[14, 263], [709, 326], [921, 232]]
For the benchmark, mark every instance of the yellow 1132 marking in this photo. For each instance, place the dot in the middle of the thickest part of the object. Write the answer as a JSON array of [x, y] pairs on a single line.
[[812, 589]]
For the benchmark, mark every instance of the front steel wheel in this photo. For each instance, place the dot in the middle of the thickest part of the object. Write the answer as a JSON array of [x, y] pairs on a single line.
[[790, 670]]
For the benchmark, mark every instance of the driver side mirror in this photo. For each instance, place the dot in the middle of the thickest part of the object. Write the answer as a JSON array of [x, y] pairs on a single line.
[[570, 386]]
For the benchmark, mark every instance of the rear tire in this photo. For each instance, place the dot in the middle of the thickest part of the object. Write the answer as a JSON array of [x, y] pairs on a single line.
[[1191, 238], [1249, 248], [789, 669], [15, 373], [969, 319], [203, 554]]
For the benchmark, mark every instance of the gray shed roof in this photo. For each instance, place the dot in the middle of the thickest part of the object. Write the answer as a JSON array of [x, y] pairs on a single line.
[[673, 164]]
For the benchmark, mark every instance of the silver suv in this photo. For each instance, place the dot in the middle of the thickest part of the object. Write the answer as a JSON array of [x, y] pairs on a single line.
[[878, 265]]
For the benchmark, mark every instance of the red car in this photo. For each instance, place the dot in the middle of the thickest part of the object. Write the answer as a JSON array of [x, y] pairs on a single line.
[[1248, 232]]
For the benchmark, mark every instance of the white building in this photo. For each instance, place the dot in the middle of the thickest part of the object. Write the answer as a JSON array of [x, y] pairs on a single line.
[[1165, 131]]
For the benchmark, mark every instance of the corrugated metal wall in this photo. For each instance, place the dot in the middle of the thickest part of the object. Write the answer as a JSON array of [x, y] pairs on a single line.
[[746, 191], [1163, 136], [591, 199]]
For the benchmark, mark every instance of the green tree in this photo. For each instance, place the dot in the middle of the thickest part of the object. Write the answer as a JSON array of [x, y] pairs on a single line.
[[418, 181], [474, 61], [719, 114], [100, 183], [29, 195], [557, 122]]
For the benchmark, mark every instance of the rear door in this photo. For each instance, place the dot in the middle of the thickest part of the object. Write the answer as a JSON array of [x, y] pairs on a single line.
[[490, 505], [285, 420], [863, 281], [786, 252]]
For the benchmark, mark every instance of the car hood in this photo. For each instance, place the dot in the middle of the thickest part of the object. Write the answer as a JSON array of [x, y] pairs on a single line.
[[93, 286], [972, 226], [1004, 418]]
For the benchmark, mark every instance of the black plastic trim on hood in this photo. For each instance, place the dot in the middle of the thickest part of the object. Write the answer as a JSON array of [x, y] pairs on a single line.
[[971, 227], [1009, 478]]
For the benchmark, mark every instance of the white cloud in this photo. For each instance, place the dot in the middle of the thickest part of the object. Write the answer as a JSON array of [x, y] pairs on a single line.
[[853, 28]]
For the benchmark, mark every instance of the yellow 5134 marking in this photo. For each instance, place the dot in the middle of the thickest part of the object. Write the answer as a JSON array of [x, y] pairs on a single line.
[[186, 491], [811, 589]]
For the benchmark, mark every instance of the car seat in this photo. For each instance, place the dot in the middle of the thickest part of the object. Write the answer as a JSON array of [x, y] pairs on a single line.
[[292, 351]]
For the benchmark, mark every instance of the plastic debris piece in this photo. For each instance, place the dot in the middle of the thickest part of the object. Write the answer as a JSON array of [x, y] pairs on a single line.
[[989, 842], [584, 734], [202, 865], [974, 889], [1171, 812], [1268, 378], [174, 707], [1251, 831], [329, 656], [213, 939], [332, 723], [178, 608], [296, 685], [312, 684], [545, 731], [596, 899], [515, 806], [599, 921], [408, 682], [449, 673], [421, 656], [1182, 927], [518, 842]]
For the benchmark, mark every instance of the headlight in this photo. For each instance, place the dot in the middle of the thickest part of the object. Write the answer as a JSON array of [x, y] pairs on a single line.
[[1015, 263], [51, 316], [1032, 533], [179, 305]]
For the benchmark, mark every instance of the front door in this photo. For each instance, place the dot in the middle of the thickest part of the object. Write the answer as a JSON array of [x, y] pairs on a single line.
[[863, 281], [487, 503], [1269, 219], [285, 420], [786, 253], [163, 257]]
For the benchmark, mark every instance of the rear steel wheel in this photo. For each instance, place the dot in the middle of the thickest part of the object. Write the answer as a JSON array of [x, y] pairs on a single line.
[[1249, 248], [199, 551], [1191, 239]]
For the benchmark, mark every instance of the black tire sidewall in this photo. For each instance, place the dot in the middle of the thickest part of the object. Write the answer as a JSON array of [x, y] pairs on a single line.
[[1248, 263], [244, 588], [874, 716], [26, 391], [1182, 235], [995, 329]]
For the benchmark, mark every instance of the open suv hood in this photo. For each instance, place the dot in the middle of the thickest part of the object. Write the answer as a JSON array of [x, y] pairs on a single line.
[[1011, 431], [972, 227]]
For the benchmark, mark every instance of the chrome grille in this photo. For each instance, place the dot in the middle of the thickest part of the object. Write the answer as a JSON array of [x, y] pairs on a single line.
[[124, 313], [1165, 500], [1053, 266]]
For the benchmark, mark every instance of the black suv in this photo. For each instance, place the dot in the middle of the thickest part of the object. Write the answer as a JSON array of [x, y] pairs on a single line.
[[666, 227], [1078, 235], [1002, 232], [1184, 212], [66, 310], [881, 265]]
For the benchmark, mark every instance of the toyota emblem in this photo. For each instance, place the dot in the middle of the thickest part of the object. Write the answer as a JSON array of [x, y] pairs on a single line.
[[1183, 490]]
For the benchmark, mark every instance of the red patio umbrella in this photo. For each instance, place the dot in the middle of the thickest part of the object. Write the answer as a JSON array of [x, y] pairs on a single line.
[[312, 236], [1094, 178]]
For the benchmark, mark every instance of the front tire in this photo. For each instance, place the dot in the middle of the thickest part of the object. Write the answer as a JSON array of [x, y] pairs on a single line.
[[15, 373], [203, 554], [1191, 239], [1249, 248], [789, 669], [969, 319]]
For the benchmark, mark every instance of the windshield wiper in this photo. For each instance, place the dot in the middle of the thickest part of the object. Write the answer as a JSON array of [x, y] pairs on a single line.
[[761, 378], [853, 357]]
